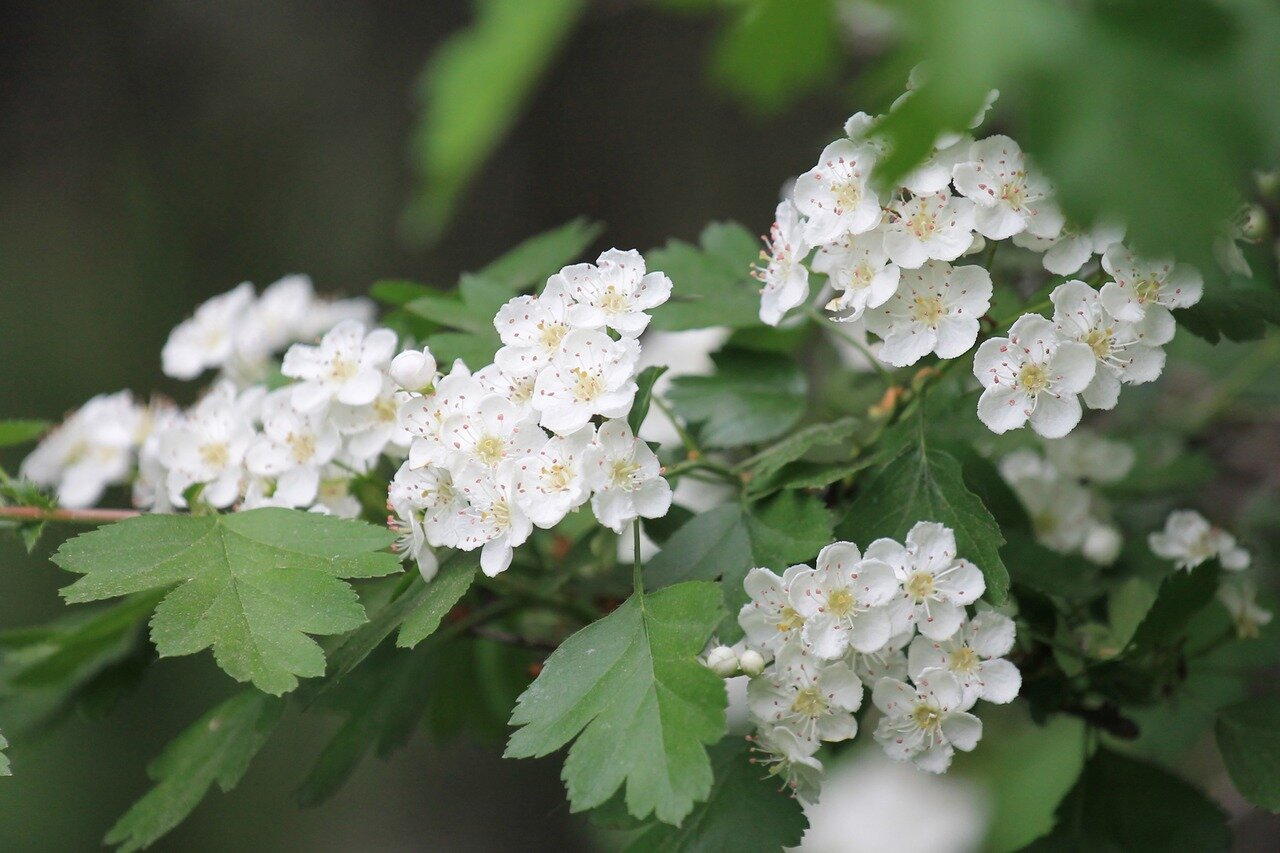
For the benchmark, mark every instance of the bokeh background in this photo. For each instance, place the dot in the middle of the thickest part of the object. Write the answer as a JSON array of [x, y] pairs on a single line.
[[153, 154]]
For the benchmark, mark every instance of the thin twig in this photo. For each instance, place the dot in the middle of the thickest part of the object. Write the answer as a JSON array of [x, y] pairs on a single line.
[[68, 516]]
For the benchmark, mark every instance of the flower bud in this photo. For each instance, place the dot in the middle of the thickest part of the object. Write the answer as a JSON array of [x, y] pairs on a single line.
[[1253, 223], [722, 661], [1102, 544], [414, 370], [976, 246], [751, 662]]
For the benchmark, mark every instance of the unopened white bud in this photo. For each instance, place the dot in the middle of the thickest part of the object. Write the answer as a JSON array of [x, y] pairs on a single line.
[[722, 661], [414, 370], [976, 245], [1102, 544], [751, 662]]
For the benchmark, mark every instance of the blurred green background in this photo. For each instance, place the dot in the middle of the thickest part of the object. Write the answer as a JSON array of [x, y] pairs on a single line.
[[153, 154]]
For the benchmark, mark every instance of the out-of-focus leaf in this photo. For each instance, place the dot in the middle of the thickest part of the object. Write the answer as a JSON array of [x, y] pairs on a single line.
[[537, 258], [1181, 596], [712, 282], [397, 292], [776, 50], [750, 398], [1237, 314], [21, 432], [1249, 740], [471, 92]]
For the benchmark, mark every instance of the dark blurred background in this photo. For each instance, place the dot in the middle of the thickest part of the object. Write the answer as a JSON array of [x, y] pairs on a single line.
[[153, 154]]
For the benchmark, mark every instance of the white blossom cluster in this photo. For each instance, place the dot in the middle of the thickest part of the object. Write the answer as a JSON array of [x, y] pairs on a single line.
[[515, 445], [893, 620], [891, 264], [1058, 489]]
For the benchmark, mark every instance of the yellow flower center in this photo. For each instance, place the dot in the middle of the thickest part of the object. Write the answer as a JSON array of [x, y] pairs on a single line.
[[922, 224], [303, 446], [789, 620], [552, 335], [926, 717], [964, 659], [928, 310], [215, 455], [385, 409], [920, 585], [586, 385], [848, 194], [613, 301], [1147, 290], [1015, 193], [491, 450], [1033, 378], [558, 477], [810, 702], [622, 471], [841, 602], [1099, 340], [343, 369]]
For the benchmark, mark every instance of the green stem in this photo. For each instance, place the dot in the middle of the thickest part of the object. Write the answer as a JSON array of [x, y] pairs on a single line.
[[690, 446], [637, 579], [701, 465]]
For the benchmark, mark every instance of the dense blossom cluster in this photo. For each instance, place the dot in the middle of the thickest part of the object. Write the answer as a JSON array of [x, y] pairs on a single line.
[[893, 620], [515, 445], [892, 263]]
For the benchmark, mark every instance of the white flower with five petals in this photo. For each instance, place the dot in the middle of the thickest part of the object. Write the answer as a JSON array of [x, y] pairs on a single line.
[[782, 272], [841, 601], [532, 328], [935, 309], [347, 366], [1010, 196], [591, 375], [1143, 287], [836, 195], [815, 699], [1189, 539], [859, 271], [554, 478], [614, 292], [494, 520], [207, 339], [927, 723], [938, 226], [768, 619], [936, 585], [625, 477], [975, 656]]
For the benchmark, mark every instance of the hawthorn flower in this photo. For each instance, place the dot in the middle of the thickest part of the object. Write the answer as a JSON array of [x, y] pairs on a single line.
[[927, 723], [1058, 506], [1145, 290], [1102, 543], [207, 339], [91, 450], [424, 416], [783, 755], [625, 477], [517, 389], [934, 174], [291, 450], [271, 323], [935, 583], [1240, 598], [347, 367], [1032, 375], [890, 661], [494, 519], [1189, 539], [1010, 198], [860, 273], [815, 699], [1071, 249], [592, 375], [841, 601], [414, 370], [324, 314], [1124, 352], [721, 660], [532, 328], [614, 292], [783, 273], [368, 430], [835, 195], [208, 446], [769, 620], [493, 433], [431, 490], [975, 656], [937, 227], [554, 477], [935, 309]]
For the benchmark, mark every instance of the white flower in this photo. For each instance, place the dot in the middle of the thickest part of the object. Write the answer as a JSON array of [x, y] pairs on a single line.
[[784, 756], [591, 375], [935, 583], [860, 273], [91, 450], [1102, 544], [369, 429], [554, 477], [1010, 197], [975, 656], [1067, 252], [324, 314], [1032, 375], [272, 322], [1143, 288], [783, 273], [532, 328], [209, 444], [1240, 597], [1189, 539], [841, 601], [150, 490], [347, 367], [1086, 456], [334, 494], [495, 519], [935, 309], [414, 370], [423, 416], [411, 540], [625, 477], [751, 662], [614, 292], [937, 227], [925, 724], [835, 195], [813, 698], [490, 434], [517, 389], [207, 339], [768, 619], [1058, 506], [889, 662], [291, 450], [722, 660], [430, 489], [934, 174]]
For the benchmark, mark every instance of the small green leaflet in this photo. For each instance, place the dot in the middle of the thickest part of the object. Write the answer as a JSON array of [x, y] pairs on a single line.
[[760, 468], [743, 796], [251, 584], [752, 397], [1120, 803], [1248, 736], [730, 540], [20, 432], [4, 759], [927, 485], [439, 596], [216, 748], [713, 283], [641, 707], [1181, 596], [644, 395], [536, 259]]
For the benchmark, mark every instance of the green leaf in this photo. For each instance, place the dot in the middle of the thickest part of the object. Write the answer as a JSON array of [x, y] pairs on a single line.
[[437, 598], [471, 92], [1033, 566], [476, 350], [4, 759], [752, 397], [644, 395], [1121, 803], [21, 432], [1181, 596], [1249, 739], [743, 795], [216, 748], [927, 485], [537, 258], [777, 50], [630, 690], [399, 292], [65, 653], [251, 585], [771, 460], [1237, 314], [728, 541], [713, 284]]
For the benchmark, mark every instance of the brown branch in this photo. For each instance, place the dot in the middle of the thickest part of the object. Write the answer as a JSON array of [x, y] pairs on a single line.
[[68, 516]]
